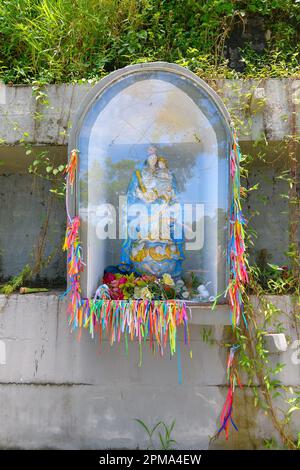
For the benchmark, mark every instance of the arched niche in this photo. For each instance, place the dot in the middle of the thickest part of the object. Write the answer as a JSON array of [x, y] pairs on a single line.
[[165, 106]]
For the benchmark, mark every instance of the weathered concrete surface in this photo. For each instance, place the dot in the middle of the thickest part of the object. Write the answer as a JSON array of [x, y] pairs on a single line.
[[19, 107], [25, 207], [268, 213], [13, 158], [287, 309], [57, 392], [60, 393], [267, 106]]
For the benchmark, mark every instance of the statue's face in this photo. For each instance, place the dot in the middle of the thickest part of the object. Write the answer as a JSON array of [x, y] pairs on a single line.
[[161, 164], [151, 151], [152, 160]]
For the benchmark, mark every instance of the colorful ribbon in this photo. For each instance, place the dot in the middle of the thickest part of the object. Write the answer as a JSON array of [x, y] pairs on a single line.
[[237, 279]]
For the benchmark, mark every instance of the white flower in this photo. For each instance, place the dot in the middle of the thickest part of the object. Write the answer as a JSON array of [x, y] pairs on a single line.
[[146, 294], [203, 292], [142, 293], [185, 294]]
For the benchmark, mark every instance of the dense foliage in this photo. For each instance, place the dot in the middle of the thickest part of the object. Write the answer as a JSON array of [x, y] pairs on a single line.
[[69, 40]]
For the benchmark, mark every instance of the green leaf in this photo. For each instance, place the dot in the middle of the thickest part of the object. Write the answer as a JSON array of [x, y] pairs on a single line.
[[294, 408], [275, 267]]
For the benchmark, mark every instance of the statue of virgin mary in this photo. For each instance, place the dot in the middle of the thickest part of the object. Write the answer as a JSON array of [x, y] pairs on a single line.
[[154, 245]]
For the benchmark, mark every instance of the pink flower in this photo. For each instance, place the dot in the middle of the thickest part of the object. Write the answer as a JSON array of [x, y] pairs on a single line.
[[122, 280], [108, 278], [116, 294]]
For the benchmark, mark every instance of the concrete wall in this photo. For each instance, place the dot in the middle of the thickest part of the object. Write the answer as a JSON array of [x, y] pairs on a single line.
[[268, 213], [25, 206], [269, 105], [57, 392]]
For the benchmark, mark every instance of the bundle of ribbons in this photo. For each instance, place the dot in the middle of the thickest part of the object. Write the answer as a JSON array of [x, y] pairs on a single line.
[[237, 280], [156, 321]]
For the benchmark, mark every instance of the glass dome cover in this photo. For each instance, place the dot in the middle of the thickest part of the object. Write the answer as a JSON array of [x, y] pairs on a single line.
[[153, 185]]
